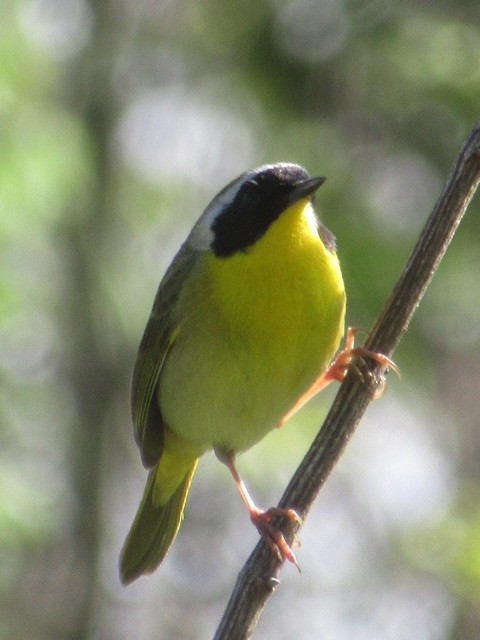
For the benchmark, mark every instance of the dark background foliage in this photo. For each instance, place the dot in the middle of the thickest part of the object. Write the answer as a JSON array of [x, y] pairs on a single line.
[[119, 120]]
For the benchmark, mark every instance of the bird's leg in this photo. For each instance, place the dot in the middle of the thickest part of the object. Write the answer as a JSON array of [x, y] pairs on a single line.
[[338, 370], [262, 519]]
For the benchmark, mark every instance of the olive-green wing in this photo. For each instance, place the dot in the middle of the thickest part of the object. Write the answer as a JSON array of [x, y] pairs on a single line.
[[162, 328]]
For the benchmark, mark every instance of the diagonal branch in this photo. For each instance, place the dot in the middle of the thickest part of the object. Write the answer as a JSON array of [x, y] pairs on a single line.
[[258, 578]]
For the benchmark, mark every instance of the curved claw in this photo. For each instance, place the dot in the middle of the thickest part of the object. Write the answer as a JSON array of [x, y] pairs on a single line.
[[338, 370], [273, 536], [263, 519]]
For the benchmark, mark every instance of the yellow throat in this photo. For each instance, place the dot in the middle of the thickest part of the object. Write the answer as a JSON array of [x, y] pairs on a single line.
[[266, 324]]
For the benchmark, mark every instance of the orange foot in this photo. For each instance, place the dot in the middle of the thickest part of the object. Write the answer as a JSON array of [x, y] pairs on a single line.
[[338, 370], [273, 536], [339, 367], [262, 519]]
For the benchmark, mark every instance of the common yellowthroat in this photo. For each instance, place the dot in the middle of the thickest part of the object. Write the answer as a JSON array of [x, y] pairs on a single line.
[[244, 325]]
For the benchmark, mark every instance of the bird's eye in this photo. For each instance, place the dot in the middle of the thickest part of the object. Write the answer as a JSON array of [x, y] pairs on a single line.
[[249, 197]]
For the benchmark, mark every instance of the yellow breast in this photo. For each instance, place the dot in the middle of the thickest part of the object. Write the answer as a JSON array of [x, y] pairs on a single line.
[[261, 326]]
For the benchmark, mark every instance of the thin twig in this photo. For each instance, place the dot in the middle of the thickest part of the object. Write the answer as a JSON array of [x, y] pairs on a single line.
[[259, 576]]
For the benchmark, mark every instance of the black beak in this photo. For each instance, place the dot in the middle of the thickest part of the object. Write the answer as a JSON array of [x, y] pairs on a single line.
[[304, 188]]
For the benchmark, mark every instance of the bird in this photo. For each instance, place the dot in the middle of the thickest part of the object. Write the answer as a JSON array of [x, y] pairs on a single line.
[[243, 331]]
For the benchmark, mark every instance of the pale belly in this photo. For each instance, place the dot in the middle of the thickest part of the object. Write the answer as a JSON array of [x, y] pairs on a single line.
[[226, 385], [255, 332]]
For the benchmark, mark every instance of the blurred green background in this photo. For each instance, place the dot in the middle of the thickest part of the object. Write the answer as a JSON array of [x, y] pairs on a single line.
[[119, 121]]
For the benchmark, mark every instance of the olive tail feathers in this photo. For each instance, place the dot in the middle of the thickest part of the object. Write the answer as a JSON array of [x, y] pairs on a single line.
[[153, 530]]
